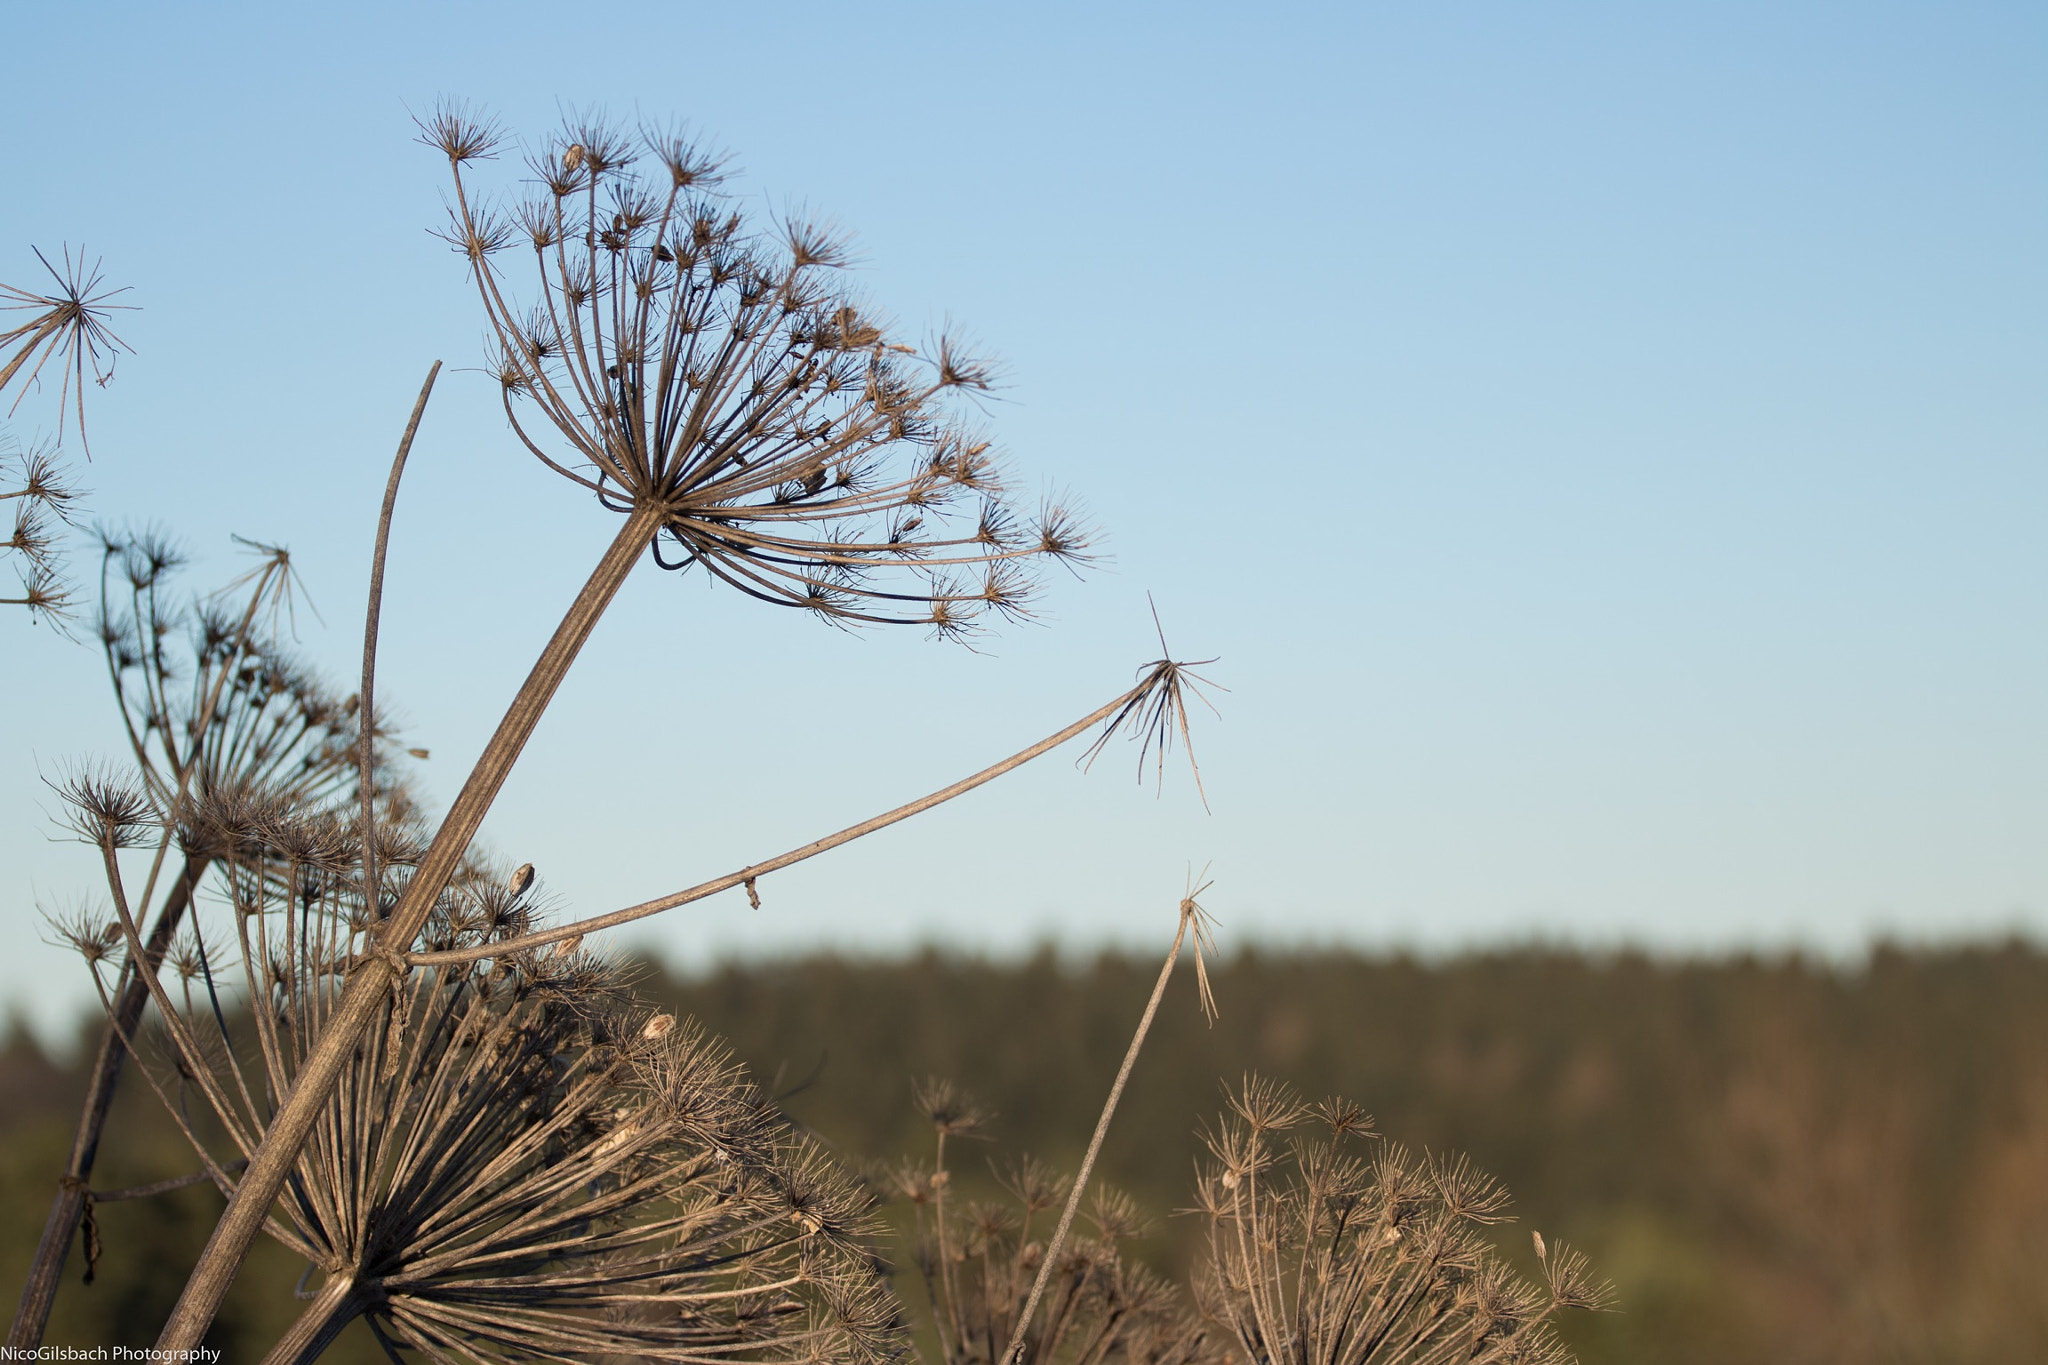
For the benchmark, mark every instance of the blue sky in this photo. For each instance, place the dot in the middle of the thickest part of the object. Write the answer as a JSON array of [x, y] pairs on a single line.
[[1605, 444]]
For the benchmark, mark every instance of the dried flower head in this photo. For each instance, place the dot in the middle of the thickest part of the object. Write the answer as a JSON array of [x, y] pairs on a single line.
[[93, 934], [953, 1113], [978, 1262], [42, 494], [68, 324], [210, 696], [1158, 712], [107, 808], [1322, 1256], [673, 356], [522, 1165]]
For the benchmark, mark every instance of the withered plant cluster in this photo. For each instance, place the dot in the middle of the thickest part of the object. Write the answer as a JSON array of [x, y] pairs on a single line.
[[1323, 1254], [67, 335], [1325, 1247], [524, 1163], [214, 711], [716, 388], [387, 1061], [979, 1260]]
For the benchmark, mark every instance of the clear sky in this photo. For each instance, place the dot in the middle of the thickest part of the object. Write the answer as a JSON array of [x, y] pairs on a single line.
[[1604, 443]]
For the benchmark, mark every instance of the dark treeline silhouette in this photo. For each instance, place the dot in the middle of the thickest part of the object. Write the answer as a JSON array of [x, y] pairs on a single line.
[[1772, 1159]]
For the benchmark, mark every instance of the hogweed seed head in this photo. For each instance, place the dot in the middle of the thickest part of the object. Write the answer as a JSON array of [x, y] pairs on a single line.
[[978, 1263], [1319, 1258], [530, 1165], [107, 809], [951, 1111], [671, 357], [71, 325]]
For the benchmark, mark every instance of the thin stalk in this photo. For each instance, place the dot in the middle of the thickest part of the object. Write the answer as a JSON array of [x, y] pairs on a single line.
[[542, 937], [371, 620], [369, 991], [1189, 914], [47, 1270]]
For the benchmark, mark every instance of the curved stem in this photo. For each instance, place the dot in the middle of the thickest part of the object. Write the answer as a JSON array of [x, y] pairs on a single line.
[[372, 617]]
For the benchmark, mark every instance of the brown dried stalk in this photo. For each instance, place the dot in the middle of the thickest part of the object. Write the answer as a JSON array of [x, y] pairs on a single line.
[[1192, 918], [373, 616], [716, 389], [1158, 686]]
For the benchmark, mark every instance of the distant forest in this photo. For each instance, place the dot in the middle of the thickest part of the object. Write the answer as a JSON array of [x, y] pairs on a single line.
[[1772, 1159]]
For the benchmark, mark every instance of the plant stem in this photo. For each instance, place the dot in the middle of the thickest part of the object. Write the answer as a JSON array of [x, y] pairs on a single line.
[[369, 990], [372, 618], [1116, 1092], [556, 933], [40, 1293]]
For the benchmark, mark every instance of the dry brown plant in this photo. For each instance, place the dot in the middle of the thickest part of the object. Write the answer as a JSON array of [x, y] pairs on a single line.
[[741, 412], [1101, 1308], [1320, 1255], [212, 707], [980, 1265], [525, 1164], [70, 326], [40, 488]]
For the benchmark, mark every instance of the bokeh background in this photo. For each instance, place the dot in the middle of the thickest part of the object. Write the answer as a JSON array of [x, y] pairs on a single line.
[[1604, 445]]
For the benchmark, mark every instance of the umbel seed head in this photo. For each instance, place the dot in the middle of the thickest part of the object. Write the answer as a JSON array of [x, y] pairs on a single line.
[[670, 355]]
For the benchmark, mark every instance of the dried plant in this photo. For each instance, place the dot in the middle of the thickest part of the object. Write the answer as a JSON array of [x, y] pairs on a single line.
[[669, 356], [1100, 1308], [70, 326], [1117, 716], [530, 1166], [213, 709], [213, 702], [1194, 921], [35, 481], [1319, 1255], [742, 413], [980, 1264]]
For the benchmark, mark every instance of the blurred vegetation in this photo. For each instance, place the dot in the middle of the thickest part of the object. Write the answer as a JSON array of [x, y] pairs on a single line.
[[1772, 1159]]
